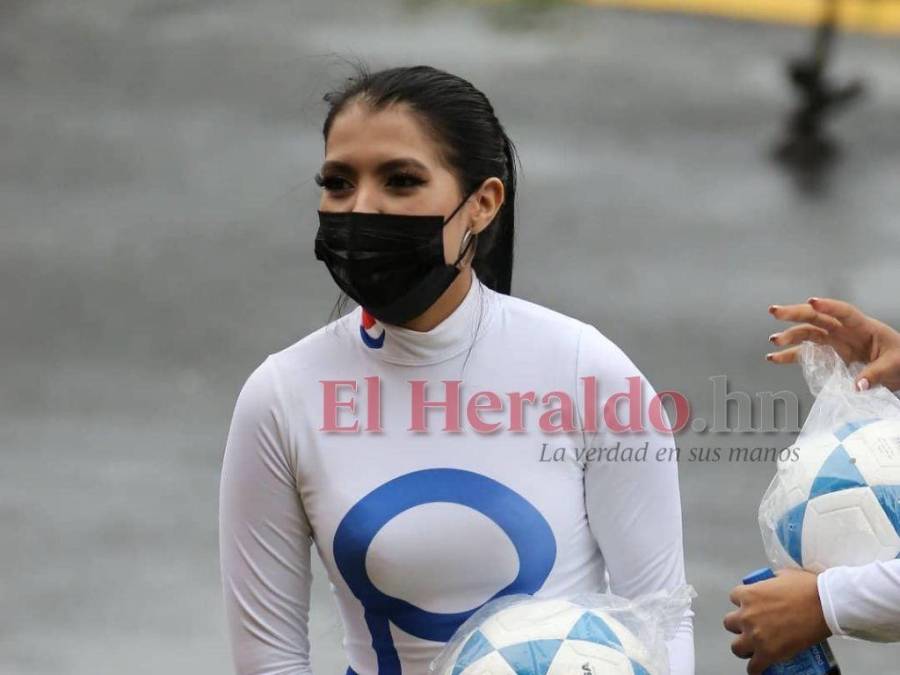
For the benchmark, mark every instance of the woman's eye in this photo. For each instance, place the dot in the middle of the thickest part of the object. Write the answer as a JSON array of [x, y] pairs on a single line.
[[404, 180], [331, 183]]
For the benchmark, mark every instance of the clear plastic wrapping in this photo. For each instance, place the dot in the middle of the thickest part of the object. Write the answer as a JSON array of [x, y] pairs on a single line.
[[585, 634], [835, 497]]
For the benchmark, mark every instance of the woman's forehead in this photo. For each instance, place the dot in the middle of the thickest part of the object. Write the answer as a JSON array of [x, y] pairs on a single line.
[[360, 135]]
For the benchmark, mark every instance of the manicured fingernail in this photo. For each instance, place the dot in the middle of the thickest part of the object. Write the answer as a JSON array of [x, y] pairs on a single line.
[[773, 337], [813, 300], [773, 308], [769, 356], [862, 385]]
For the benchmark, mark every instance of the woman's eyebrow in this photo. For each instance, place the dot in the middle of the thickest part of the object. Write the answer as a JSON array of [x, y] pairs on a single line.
[[383, 168], [334, 165], [402, 163]]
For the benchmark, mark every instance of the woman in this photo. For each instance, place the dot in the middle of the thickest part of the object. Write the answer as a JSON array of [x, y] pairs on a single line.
[[376, 436], [778, 618]]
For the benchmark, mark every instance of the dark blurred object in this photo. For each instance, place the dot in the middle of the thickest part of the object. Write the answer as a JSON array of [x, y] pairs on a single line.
[[807, 150]]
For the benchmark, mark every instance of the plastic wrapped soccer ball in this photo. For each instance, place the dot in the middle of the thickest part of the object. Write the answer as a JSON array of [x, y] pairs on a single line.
[[837, 500], [550, 637]]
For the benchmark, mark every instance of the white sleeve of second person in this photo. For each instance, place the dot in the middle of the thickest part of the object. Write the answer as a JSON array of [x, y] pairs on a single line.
[[264, 537], [634, 507], [864, 601]]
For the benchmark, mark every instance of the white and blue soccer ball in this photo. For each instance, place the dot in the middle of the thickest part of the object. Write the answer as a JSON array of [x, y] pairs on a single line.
[[837, 500], [550, 637]]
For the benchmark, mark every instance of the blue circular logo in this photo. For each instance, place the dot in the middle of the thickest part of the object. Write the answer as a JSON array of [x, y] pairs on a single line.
[[526, 528]]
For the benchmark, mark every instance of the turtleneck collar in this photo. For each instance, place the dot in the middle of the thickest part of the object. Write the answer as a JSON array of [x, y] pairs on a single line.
[[452, 336]]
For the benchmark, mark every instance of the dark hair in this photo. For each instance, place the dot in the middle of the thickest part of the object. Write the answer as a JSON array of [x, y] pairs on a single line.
[[473, 143]]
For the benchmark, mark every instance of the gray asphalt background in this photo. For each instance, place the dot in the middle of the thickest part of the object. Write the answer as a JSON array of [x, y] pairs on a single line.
[[156, 231]]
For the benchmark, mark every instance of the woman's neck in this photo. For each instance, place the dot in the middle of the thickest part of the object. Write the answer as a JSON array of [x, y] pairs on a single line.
[[445, 304]]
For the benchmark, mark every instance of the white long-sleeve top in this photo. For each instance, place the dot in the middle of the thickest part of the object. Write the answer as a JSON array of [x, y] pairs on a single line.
[[863, 601], [417, 530]]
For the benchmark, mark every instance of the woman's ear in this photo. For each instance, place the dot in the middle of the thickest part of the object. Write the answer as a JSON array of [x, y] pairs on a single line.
[[487, 203]]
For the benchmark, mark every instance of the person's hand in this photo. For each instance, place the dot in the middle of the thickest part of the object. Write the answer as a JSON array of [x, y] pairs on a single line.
[[776, 619], [855, 336]]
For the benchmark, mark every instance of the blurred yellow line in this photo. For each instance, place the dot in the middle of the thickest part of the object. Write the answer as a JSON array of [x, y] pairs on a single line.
[[874, 16]]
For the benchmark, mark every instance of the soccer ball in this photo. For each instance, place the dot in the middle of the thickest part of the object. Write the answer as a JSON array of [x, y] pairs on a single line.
[[836, 499], [550, 637]]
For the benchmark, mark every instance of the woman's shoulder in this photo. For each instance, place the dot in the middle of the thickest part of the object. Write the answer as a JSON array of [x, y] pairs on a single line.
[[540, 318], [322, 343], [596, 352], [298, 361], [543, 319]]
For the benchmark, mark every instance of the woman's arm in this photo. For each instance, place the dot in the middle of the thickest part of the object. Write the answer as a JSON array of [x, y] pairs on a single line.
[[864, 601], [264, 537], [634, 507]]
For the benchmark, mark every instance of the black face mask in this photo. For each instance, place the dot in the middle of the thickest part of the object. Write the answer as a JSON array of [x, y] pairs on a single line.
[[392, 265]]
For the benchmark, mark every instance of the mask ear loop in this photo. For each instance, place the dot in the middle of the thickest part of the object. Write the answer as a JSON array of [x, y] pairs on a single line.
[[468, 238]]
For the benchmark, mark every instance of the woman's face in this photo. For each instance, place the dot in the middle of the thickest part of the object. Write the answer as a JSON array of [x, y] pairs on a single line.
[[385, 162]]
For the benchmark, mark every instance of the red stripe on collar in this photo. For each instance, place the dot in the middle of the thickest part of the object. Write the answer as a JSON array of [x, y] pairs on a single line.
[[367, 319]]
